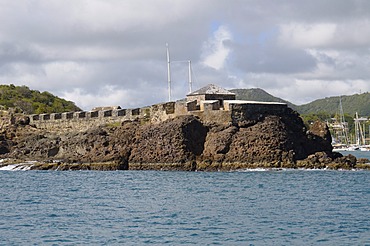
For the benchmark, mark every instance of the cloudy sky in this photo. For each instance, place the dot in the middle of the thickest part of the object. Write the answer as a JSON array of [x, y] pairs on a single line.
[[113, 52]]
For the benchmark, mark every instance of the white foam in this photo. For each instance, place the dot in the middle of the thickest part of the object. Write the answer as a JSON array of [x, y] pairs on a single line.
[[261, 169], [17, 167]]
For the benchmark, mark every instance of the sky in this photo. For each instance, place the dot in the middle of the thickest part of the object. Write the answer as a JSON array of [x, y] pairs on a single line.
[[113, 52]]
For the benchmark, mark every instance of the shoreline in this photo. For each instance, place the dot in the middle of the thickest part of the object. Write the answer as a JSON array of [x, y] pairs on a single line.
[[20, 165]]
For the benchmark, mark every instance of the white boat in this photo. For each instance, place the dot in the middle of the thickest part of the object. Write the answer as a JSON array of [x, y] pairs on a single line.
[[360, 134], [341, 140], [344, 147], [365, 148], [340, 130]]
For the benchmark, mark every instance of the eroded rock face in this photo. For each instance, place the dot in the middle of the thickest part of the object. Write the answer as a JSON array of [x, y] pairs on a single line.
[[183, 143], [174, 141]]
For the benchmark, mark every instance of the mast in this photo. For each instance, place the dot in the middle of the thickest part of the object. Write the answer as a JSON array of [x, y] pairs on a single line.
[[357, 131], [360, 138], [168, 73], [364, 133], [190, 79], [343, 122]]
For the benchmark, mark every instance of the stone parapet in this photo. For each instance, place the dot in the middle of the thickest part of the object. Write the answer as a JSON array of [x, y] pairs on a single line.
[[209, 111]]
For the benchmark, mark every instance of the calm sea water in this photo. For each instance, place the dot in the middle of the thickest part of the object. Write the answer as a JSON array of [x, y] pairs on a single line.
[[289, 207], [357, 153]]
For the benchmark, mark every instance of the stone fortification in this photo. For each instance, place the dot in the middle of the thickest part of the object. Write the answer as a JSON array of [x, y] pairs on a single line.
[[182, 143], [208, 111], [211, 104], [81, 121], [208, 131]]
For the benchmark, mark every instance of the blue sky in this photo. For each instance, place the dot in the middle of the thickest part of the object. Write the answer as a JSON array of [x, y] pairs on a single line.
[[112, 52]]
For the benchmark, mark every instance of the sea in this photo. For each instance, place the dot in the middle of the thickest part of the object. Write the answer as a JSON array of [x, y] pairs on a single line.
[[357, 153], [246, 207]]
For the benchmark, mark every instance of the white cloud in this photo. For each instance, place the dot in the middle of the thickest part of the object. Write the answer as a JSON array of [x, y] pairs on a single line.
[[307, 35], [302, 91], [353, 33], [341, 35], [106, 52], [107, 96], [215, 52]]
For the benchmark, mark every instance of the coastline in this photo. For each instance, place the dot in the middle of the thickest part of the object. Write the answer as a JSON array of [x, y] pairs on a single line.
[[19, 165], [265, 137]]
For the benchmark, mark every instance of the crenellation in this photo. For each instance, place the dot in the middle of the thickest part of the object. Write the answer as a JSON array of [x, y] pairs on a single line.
[[135, 111], [192, 105], [34, 117], [55, 116], [79, 115], [44, 117], [120, 112], [93, 114], [169, 107], [105, 113], [128, 113], [208, 108], [67, 115], [209, 105]]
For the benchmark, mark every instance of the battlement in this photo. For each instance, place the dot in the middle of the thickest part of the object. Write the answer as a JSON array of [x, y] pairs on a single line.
[[207, 111]]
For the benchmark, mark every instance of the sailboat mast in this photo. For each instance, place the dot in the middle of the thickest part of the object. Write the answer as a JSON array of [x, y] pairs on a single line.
[[343, 122], [357, 131], [168, 73], [360, 137], [190, 79], [364, 134]]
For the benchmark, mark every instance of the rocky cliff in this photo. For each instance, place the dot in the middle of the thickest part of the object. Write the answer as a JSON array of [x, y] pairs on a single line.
[[183, 143]]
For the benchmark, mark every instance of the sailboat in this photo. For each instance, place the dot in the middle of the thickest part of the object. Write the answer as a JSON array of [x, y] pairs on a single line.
[[360, 135], [340, 130]]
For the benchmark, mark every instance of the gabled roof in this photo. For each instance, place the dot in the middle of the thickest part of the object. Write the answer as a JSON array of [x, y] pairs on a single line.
[[211, 89]]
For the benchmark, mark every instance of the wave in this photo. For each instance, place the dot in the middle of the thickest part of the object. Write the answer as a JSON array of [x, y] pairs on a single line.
[[262, 170], [16, 167]]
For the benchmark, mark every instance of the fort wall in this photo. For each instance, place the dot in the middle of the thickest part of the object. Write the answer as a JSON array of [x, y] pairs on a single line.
[[209, 111]]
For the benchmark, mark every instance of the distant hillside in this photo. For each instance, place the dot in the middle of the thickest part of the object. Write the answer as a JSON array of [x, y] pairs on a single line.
[[351, 104], [257, 94], [33, 101]]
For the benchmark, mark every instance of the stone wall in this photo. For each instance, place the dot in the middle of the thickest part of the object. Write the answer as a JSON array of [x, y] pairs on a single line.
[[80, 121], [234, 111], [254, 110]]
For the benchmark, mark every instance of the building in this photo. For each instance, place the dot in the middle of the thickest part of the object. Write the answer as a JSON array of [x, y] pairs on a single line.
[[209, 97]]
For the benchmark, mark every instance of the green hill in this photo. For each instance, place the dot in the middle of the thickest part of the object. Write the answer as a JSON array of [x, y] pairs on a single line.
[[330, 105], [351, 104], [257, 94], [33, 101]]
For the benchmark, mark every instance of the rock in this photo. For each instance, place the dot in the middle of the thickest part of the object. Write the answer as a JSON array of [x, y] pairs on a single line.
[[178, 140], [183, 143], [362, 161]]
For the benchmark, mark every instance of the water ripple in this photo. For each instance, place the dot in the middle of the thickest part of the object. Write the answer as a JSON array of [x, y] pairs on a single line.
[[184, 208]]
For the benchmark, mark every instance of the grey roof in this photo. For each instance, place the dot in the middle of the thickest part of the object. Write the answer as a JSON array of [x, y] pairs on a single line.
[[211, 89]]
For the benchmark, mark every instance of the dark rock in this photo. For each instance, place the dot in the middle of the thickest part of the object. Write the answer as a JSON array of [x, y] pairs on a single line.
[[182, 143]]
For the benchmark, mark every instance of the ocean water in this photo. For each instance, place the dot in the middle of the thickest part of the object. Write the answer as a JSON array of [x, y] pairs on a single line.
[[357, 153], [287, 207]]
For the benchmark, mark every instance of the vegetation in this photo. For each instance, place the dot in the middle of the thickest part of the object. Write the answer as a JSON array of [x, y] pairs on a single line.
[[310, 118], [33, 101], [359, 103], [351, 104]]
